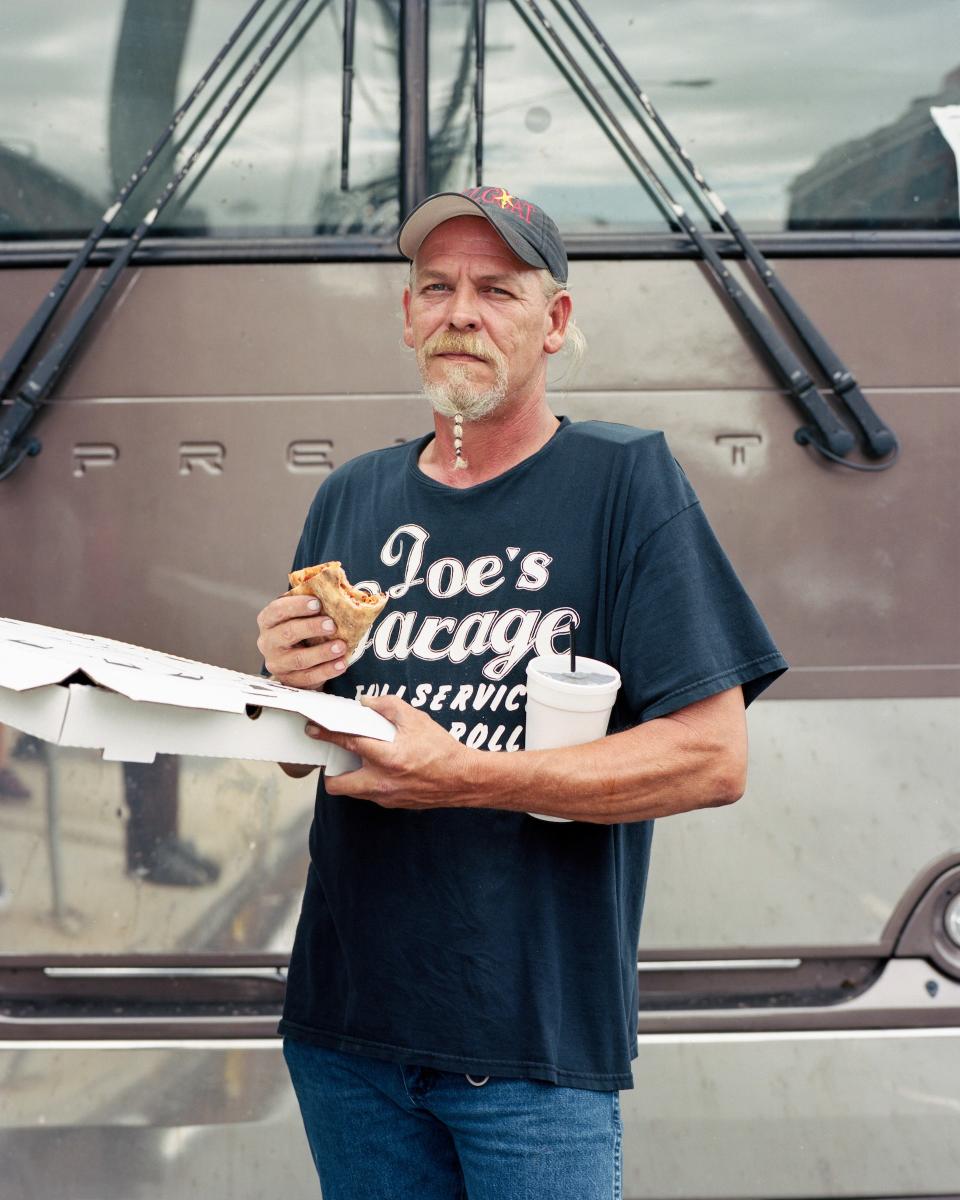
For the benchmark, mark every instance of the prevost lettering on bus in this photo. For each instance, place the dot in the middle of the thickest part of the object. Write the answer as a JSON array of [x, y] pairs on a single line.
[[305, 456], [502, 198], [315, 456]]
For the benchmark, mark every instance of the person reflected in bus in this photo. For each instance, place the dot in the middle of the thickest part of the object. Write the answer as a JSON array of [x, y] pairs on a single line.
[[12, 791], [12, 788], [461, 1010], [155, 850]]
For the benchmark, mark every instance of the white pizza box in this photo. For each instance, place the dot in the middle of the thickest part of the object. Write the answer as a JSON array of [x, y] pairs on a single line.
[[73, 689]]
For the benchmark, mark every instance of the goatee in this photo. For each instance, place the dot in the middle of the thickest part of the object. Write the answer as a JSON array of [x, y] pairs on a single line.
[[457, 394]]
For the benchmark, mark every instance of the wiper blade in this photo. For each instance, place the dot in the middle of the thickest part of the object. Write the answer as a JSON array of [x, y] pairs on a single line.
[[834, 434], [16, 355], [593, 102], [879, 438], [629, 103], [41, 380], [187, 192], [346, 102], [479, 38]]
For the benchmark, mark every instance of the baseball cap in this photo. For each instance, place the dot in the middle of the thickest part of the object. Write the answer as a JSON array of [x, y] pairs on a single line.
[[526, 229]]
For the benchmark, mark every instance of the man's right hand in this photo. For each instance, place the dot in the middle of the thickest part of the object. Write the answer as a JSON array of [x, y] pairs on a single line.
[[286, 624]]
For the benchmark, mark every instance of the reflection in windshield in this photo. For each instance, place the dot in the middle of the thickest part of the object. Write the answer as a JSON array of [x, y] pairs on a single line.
[[85, 90], [726, 81], [903, 174], [33, 196]]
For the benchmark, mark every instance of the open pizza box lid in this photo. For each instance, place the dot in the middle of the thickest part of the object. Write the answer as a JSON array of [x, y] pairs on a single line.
[[73, 689]]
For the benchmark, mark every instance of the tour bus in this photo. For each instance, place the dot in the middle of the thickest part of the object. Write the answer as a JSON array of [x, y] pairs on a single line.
[[799, 962]]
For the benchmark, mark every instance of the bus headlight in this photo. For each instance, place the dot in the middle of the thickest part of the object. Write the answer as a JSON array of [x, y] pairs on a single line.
[[951, 920]]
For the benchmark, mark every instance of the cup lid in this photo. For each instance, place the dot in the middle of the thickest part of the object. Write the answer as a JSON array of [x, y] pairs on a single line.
[[552, 669]]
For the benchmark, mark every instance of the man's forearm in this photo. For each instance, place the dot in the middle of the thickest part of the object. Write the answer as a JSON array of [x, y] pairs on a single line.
[[668, 765]]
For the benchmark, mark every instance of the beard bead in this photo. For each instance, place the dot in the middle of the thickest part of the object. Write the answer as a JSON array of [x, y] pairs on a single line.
[[459, 462]]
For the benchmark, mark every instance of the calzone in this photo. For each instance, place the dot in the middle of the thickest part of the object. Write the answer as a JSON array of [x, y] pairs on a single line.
[[352, 611]]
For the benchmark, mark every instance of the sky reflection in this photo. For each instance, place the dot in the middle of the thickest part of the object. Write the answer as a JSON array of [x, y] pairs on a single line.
[[757, 90]]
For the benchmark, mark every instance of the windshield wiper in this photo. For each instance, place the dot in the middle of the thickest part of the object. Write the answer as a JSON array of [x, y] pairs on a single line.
[[16, 355], [30, 397], [596, 106], [831, 433], [479, 38], [879, 438], [185, 195], [346, 102]]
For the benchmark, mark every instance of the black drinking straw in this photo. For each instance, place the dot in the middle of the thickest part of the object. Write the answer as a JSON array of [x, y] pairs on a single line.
[[573, 650]]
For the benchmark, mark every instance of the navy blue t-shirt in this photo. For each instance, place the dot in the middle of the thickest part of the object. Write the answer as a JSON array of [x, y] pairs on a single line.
[[483, 940]]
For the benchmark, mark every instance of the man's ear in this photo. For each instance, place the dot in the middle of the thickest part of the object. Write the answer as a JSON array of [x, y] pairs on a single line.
[[407, 324], [559, 311]]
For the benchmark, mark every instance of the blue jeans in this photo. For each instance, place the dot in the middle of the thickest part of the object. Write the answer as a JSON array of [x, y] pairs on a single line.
[[380, 1131]]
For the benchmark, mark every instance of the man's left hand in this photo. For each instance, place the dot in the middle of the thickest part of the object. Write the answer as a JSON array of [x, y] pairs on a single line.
[[423, 767]]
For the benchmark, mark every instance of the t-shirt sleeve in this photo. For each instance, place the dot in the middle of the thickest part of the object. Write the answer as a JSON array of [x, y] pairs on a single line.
[[683, 626]]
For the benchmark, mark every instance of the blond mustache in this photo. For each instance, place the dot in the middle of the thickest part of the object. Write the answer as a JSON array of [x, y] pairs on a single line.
[[449, 342]]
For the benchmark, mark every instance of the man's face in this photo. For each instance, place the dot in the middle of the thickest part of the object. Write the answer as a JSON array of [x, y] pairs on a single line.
[[478, 319]]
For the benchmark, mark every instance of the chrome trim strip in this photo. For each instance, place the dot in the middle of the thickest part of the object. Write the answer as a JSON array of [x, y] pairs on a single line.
[[795, 1035], [720, 964], [370, 248], [909, 991], [162, 1020], [144, 1044], [274, 973], [909, 994], [801, 1035]]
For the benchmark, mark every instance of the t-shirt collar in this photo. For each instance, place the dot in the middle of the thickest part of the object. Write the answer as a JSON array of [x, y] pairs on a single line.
[[417, 448]]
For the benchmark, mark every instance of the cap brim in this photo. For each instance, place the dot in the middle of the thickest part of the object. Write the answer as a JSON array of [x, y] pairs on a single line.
[[446, 205]]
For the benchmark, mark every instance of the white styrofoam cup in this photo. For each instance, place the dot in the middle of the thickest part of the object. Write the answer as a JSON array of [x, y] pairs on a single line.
[[563, 713]]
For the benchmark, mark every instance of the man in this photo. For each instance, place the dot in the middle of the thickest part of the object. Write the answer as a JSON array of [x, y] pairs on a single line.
[[461, 1009]]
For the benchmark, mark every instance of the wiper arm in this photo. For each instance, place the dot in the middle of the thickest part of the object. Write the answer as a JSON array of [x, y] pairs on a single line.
[[880, 439], [480, 38], [834, 434], [346, 103], [594, 103], [14, 424], [628, 101], [41, 380], [185, 195], [16, 355]]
